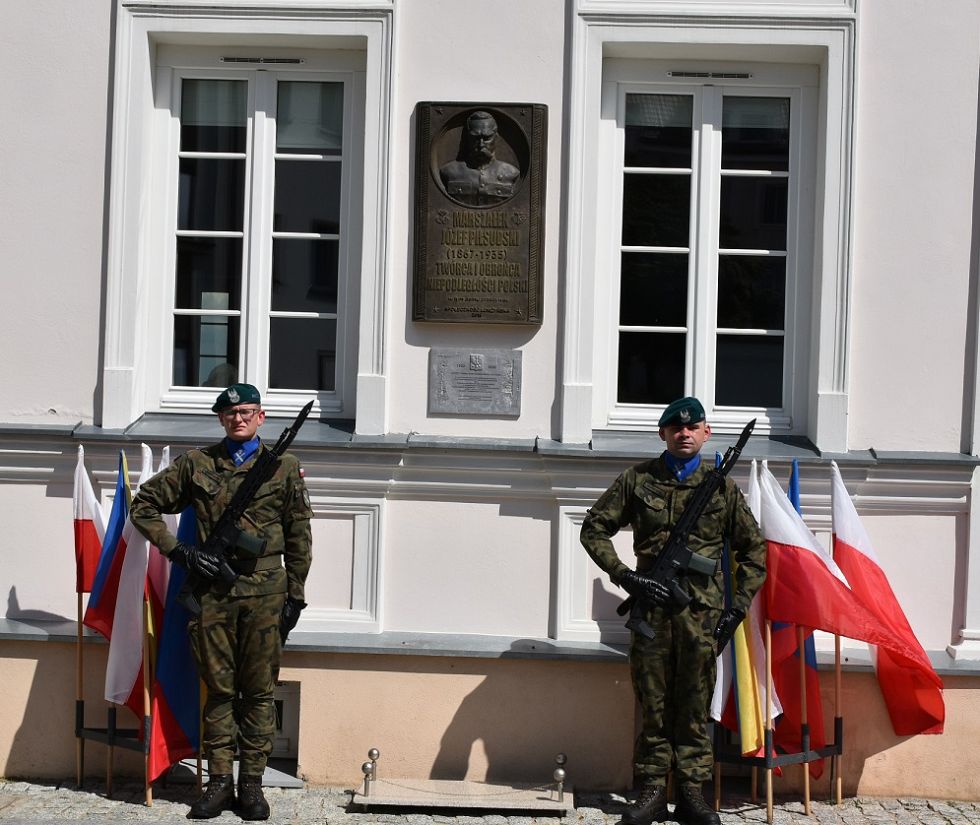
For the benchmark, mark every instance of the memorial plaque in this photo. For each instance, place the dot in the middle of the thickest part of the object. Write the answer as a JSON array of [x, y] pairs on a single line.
[[479, 212], [475, 382]]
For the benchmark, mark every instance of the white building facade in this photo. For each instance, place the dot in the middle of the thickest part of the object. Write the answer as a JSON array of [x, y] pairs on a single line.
[[771, 205]]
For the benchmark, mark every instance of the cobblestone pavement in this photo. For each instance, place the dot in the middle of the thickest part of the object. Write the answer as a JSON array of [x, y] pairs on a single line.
[[65, 804]]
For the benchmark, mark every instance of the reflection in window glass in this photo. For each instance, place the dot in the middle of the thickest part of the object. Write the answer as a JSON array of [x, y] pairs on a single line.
[[755, 133], [212, 115], [307, 197], [212, 194], [753, 213], [302, 353], [653, 292], [656, 210], [658, 130], [310, 118], [304, 275], [208, 266], [749, 371], [205, 350], [651, 367], [751, 292]]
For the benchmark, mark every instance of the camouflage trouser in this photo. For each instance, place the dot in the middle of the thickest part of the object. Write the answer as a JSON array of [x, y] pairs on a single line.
[[674, 678], [236, 645]]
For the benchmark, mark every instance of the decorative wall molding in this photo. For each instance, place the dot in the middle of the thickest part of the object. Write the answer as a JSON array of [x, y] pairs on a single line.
[[724, 30], [141, 25], [367, 573], [575, 571]]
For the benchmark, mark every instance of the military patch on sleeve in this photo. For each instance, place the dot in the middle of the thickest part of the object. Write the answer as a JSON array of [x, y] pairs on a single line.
[[306, 493]]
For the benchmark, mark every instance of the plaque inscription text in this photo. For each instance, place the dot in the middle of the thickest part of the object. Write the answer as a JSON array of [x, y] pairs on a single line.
[[475, 382], [479, 213]]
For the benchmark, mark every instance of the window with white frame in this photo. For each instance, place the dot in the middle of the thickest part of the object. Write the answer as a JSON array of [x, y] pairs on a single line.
[[708, 240], [260, 267]]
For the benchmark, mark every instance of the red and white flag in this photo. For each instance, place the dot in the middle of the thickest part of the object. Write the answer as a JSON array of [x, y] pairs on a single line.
[[158, 574], [912, 690], [89, 521], [739, 701], [124, 667], [804, 585]]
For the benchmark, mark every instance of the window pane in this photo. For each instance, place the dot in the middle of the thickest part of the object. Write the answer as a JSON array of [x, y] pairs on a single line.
[[205, 351], [212, 115], [653, 290], [658, 130], [207, 267], [307, 196], [749, 371], [656, 210], [302, 353], [755, 133], [212, 194], [651, 367], [753, 213], [304, 275], [310, 118], [751, 292]]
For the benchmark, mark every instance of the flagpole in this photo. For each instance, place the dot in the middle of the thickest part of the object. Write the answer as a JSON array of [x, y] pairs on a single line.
[[768, 727], [79, 696], [200, 735], [717, 783], [804, 743], [148, 788], [837, 714], [111, 738]]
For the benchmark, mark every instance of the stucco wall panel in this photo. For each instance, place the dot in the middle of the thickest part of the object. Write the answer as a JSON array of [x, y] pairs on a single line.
[[922, 579], [53, 142], [478, 719], [468, 51], [468, 568], [916, 126], [37, 572]]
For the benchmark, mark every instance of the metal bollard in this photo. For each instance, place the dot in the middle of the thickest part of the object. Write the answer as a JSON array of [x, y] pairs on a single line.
[[560, 775]]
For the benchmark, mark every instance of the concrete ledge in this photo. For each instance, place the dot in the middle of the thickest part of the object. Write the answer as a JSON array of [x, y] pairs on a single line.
[[856, 658], [194, 430]]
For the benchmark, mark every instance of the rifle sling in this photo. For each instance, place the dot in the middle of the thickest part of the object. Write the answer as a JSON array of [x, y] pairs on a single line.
[[246, 566]]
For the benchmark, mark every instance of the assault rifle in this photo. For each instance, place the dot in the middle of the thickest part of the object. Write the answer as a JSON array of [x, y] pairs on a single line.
[[675, 558], [227, 536]]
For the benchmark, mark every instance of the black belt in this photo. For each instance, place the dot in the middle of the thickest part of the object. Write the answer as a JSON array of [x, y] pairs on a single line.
[[247, 566]]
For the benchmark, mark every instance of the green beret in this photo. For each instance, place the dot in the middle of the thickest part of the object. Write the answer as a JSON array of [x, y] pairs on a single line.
[[682, 411], [237, 394]]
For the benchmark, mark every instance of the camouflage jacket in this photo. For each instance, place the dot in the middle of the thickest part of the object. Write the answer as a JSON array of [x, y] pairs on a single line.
[[206, 480], [650, 499]]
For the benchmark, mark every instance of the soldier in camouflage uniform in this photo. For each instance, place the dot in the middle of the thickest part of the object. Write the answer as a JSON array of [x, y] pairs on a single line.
[[237, 638], [674, 673]]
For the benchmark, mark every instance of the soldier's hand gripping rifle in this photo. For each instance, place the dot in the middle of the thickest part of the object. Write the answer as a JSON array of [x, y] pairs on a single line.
[[226, 536], [675, 558]]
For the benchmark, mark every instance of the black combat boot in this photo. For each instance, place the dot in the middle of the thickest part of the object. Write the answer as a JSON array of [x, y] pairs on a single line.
[[692, 809], [218, 796], [650, 807], [251, 800]]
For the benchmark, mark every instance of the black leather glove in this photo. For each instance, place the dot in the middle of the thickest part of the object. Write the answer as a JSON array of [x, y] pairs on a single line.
[[202, 565], [728, 622], [288, 616], [645, 589]]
